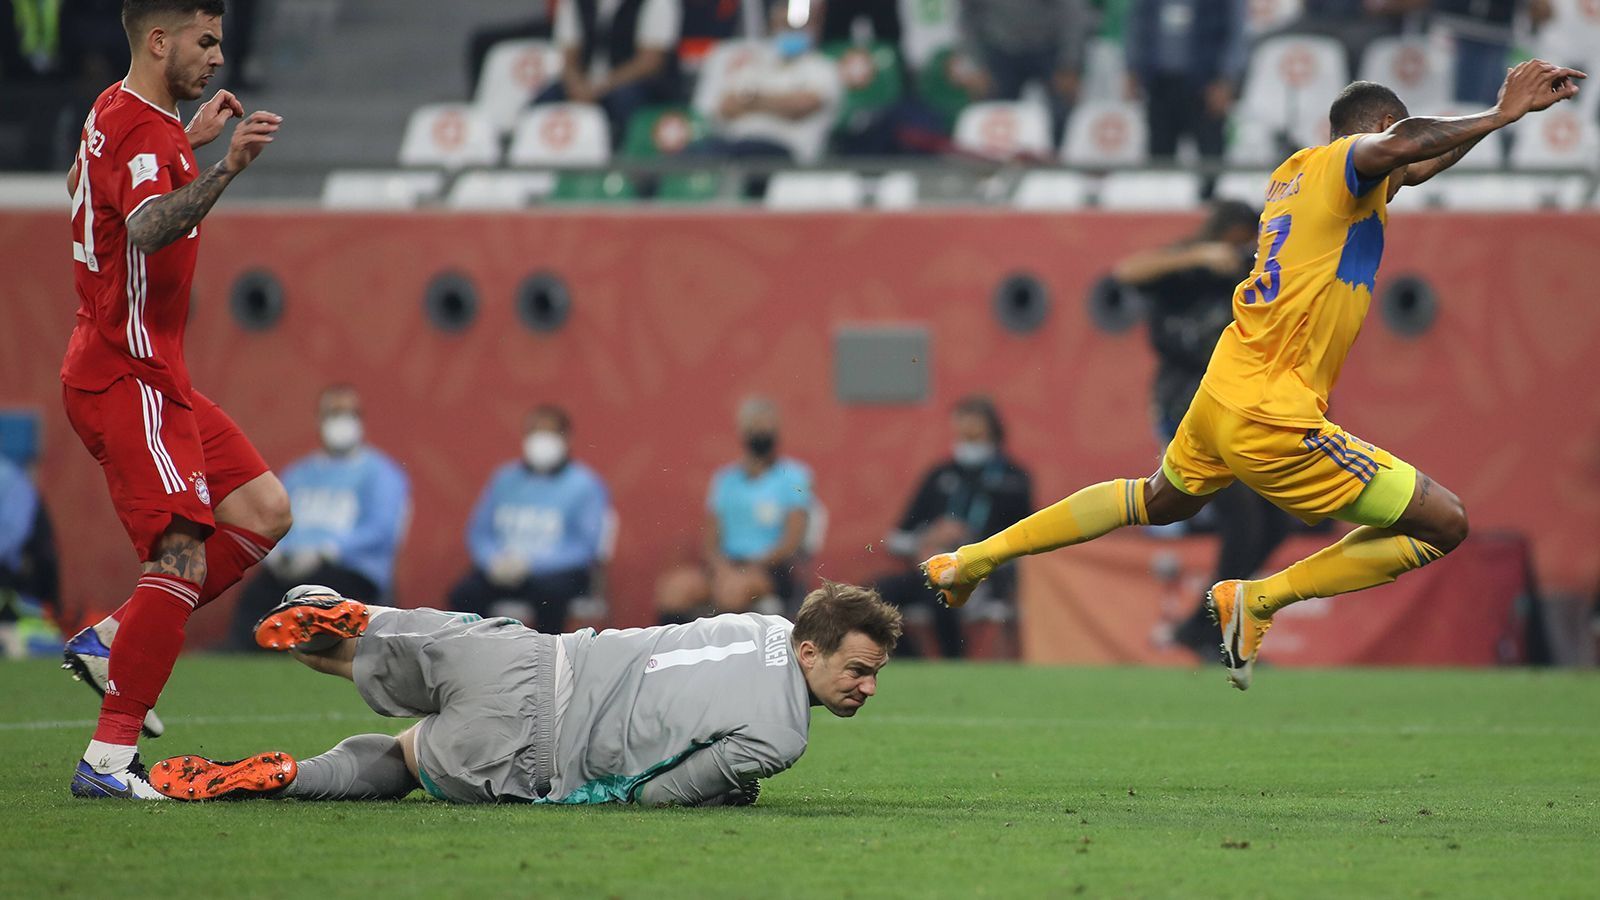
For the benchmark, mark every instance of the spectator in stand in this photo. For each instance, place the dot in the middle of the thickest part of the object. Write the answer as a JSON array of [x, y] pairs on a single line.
[[1188, 292], [1014, 42], [1186, 58], [621, 54], [976, 492], [781, 103], [351, 506], [757, 514], [1483, 32], [29, 564], [540, 532]]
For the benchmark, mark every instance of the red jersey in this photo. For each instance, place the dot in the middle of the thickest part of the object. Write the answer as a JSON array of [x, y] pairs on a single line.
[[132, 308]]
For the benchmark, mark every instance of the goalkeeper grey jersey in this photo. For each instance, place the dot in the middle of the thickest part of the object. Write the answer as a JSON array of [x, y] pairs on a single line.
[[680, 713]]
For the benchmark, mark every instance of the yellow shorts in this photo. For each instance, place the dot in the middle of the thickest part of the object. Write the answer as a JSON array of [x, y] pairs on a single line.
[[1313, 473]]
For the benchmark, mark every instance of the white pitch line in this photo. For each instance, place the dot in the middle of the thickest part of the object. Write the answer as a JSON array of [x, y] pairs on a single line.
[[49, 724]]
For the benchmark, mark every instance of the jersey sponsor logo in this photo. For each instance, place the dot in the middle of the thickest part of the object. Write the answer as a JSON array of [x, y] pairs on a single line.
[[777, 647], [697, 655], [143, 167]]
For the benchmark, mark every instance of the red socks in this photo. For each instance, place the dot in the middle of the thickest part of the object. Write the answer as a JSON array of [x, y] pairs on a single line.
[[149, 636], [229, 552]]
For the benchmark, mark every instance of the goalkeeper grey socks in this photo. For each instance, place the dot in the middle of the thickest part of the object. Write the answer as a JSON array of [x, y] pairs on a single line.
[[364, 767]]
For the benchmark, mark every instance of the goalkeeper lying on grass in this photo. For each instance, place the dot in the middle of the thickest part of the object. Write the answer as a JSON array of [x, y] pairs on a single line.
[[687, 714]]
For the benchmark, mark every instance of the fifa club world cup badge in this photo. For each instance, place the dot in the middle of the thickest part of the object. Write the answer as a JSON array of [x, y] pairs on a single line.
[[198, 479]]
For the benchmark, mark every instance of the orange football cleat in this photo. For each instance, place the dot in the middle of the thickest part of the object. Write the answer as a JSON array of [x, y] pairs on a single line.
[[943, 573], [311, 617], [1242, 632], [198, 778]]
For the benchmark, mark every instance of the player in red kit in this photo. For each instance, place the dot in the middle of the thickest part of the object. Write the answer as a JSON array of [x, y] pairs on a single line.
[[195, 497]]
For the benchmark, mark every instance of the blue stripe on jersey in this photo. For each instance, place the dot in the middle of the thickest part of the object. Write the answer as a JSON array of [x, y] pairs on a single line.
[[1352, 179], [1363, 250]]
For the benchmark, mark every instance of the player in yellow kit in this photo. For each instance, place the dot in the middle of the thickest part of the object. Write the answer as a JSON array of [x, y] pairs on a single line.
[[1260, 415]]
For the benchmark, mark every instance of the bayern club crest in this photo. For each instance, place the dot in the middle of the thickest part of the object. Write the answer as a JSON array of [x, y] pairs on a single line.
[[198, 479]]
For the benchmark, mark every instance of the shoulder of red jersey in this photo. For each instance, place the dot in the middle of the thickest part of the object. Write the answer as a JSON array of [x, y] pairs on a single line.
[[120, 111]]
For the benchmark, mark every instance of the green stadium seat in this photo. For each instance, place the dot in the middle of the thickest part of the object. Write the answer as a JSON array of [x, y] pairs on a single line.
[[689, 187], [870, 74], [593, 187], [657, 131]]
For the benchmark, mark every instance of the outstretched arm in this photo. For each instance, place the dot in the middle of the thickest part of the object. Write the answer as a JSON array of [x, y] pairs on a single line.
[[1529, 87], [171, 216]]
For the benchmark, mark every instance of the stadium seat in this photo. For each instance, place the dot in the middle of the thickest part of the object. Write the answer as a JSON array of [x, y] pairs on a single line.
[[926, 27], [1262, 16], [1291, 81], [1004, 130], [1420, 70], [499, 190], [1150, 191], [1106, 134], [1495, 192], [1571, 37], [450, 135], [1105, 69], [24, 191], [513, 74], [724, 59], [1048, 190], [815, 191], [689, 187], [380, 190], [1245, 187], [1562, 137], [870, 76], [896, 190], [562, 135], [657, 131], [592, 187]]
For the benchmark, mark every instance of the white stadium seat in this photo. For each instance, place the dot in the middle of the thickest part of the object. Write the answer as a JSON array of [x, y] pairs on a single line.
[[1564, 136], [451, 135], [926, 27], [1245, 187], [1046, 190], [1152, 191], [724, 59], [804, 191], [1571, 36], [1004, 130], [380, 190], [896, 190], [1106, 133], [1291, 82], [1420, 70], [513, 74], [562, 135], [499, 190], [1494, 192], [1262, 16]]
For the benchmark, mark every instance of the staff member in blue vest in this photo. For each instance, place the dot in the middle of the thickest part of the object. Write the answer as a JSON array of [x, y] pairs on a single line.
[[977, 490], [351, 505], [621, 54], [757, 514], [539, 533]]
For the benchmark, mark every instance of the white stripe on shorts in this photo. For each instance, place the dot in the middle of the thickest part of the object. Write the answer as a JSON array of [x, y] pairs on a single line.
[[171, 481]]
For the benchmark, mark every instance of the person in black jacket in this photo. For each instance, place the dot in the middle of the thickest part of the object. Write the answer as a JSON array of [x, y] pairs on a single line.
[[978, 491], [621, 55], [1188, 293]]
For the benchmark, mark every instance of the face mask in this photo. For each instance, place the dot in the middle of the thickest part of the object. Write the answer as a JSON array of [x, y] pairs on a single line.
[[761, 443], [790, 44], [972, 453], [544, 450], [341, 432]]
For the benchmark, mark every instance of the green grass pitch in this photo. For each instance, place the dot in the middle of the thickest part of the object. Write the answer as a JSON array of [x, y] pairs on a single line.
[[958, 780]]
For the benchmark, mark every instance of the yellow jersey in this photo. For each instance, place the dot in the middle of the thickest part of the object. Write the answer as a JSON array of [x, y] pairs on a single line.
[[1297, 314]]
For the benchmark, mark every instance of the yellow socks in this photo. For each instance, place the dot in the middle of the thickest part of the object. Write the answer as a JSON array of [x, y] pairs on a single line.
[[1366, 557], [1081, 517]]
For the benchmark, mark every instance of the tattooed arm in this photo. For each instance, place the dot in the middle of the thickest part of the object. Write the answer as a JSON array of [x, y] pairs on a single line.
[[1418, 172], [1530, 86], [171, 216]]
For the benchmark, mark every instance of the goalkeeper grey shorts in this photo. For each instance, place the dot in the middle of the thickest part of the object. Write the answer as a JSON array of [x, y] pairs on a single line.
[[485, 690]]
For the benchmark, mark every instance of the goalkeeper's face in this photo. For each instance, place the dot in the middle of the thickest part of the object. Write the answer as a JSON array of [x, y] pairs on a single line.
[[844, 679]]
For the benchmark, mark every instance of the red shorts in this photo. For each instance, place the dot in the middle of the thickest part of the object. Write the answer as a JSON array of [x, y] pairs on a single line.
[[162, 461]]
